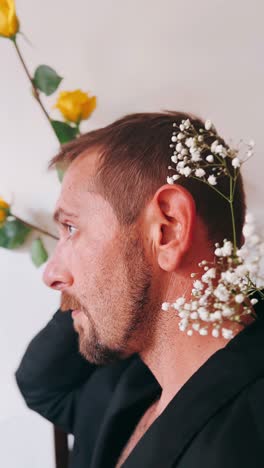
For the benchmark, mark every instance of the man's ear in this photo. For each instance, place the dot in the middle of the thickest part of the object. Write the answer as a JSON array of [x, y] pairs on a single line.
[[175, 215]]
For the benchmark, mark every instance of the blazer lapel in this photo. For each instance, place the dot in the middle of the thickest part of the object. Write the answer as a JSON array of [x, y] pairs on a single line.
[[135, 391], [222, 377]]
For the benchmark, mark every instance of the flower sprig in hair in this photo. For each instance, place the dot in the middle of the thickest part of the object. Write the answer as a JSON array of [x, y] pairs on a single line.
[[222, 292]]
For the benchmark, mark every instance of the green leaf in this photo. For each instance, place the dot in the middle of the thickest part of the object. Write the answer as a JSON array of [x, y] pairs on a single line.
[[13, 234], [39, 254], [64, 131], [46, 79]]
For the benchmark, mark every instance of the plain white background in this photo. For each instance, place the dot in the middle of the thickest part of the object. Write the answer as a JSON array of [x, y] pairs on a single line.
[[142, 55]]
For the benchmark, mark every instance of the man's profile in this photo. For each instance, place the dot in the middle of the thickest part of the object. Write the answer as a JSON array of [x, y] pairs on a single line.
[[146, 395]]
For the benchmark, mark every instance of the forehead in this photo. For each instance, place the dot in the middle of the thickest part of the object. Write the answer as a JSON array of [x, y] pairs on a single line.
[[79, 182]]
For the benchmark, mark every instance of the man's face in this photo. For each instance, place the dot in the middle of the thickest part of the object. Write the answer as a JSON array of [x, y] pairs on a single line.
[[101, 269]]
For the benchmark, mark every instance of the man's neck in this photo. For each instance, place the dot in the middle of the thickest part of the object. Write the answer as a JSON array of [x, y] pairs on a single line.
[[173, 357]]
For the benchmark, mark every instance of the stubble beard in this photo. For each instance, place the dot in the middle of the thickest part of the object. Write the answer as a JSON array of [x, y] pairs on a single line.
[[138, 307]]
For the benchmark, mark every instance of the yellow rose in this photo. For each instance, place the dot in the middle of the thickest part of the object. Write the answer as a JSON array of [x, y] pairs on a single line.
[[4, 207], [9, 24], [75, 105]]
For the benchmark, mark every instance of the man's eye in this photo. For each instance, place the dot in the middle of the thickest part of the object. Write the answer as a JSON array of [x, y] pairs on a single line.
[[69, 228]]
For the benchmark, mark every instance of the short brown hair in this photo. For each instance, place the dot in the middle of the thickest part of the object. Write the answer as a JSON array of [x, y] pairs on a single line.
[[134, 156]]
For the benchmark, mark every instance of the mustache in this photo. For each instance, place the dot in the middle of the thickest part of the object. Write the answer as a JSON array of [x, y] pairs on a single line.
[[69, 302]]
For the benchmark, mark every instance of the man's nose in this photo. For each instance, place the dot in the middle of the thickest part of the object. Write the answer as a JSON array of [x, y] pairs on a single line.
[[56, 276]]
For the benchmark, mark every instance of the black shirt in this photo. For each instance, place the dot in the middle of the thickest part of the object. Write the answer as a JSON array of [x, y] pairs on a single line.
[[216, 420]]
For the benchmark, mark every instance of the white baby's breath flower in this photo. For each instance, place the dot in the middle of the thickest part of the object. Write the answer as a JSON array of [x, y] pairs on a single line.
[[170, 180], [186, 123], [184, 314], [215, 316], [165, 306], [199, 172], [223, 153], [196, 156], [198, 285], [215, 333], [203, 331], [184, 152], [203, 301], [208, 125], [173, 138], [241, 270], [211, 273], [219, 149], [227, 312], [227, 249], [254, 301], [212, 180], [183, 324], [236, 162], [221, 292], [180, 136], [239, 298], [229, 276], [214, 145], [176, 176], [189, 142], [178, 303], [190, 332], [180, 165], [210, 158], [174, 159], [218, 252], [204, 315], [227, 334], [187, 171], [179, 147], [194, 316]]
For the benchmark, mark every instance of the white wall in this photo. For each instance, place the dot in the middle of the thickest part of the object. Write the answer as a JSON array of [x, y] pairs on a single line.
[[135, 55]]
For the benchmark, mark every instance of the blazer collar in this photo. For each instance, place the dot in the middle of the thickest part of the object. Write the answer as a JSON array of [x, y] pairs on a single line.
[[135, 391], [223, 376]]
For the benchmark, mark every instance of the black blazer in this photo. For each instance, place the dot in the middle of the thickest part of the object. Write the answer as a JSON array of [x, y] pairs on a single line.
[[215, 421]]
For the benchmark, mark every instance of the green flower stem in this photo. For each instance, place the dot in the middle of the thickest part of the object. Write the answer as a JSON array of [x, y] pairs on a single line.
[[231, 200], [35, 90], [36, 228], [78, 127], [212, 187], [234, 185]]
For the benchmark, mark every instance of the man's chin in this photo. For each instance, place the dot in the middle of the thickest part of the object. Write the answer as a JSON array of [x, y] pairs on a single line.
[[98, 354]]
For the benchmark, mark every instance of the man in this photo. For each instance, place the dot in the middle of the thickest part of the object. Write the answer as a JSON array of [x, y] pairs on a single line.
[[128, 242]]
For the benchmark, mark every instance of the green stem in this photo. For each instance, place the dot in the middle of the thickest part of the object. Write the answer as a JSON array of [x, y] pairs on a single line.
[[36, 228], [211, 186], [35, 90], [233, 215]]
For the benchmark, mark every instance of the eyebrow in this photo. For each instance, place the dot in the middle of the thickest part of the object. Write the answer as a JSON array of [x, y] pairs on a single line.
[[60, 213]]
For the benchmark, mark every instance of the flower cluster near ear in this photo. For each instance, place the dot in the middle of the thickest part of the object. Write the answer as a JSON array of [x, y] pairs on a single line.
[[222, 292], [193, 156]]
